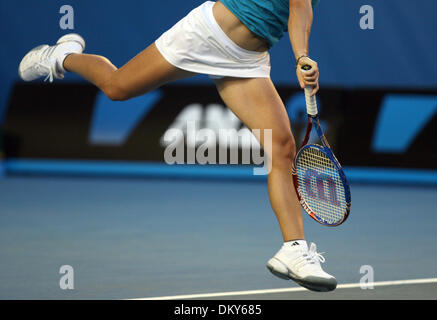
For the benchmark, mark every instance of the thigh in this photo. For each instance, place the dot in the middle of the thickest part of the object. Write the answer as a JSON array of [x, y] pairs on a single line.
[[258, 105], [147, 71]]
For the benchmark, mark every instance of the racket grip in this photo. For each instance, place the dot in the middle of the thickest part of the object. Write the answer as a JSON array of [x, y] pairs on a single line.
[[310, 101]]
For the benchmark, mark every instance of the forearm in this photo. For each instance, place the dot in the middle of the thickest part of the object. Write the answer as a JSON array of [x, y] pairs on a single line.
[[299, 26]]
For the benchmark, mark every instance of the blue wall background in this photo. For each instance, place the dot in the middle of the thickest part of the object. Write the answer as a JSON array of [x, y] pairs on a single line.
[[400, 52]]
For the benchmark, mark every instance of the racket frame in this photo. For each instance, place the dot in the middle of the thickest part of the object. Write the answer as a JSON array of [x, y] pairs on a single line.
[[326, 149]]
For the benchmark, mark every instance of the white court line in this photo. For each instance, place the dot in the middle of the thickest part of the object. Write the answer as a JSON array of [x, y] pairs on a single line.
[[250, 292]]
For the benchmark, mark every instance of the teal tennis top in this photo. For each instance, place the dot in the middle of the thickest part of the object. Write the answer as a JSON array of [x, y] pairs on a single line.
[[266, 18]]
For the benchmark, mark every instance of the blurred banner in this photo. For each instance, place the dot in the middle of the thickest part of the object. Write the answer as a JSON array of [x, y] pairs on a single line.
[[368, 128]]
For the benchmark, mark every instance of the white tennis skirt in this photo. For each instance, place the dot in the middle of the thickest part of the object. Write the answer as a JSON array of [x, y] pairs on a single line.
[[198, 44]]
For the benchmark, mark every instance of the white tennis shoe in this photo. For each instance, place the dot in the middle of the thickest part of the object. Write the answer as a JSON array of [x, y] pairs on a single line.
[[47, 61], [294, 261]]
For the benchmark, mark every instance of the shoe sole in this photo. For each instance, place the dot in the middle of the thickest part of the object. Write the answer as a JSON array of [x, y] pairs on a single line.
[[317, 284], [271, 265], [72, 37], [310, 283]]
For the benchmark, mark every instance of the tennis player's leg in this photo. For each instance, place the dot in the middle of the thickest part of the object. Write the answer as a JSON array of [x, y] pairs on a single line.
[[145, 72], [258, 105]]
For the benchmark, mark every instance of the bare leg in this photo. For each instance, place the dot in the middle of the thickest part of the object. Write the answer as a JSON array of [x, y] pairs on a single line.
[[145, 72], [255, 101], [258, 105]]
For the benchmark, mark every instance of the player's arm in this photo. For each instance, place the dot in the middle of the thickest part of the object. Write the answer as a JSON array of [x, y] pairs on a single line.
[[299, 29]]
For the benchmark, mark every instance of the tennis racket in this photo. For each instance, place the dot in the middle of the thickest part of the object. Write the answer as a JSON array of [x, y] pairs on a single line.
[[319, 180]]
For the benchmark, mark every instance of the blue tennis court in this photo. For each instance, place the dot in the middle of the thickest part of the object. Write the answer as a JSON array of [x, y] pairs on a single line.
[[144, 238]]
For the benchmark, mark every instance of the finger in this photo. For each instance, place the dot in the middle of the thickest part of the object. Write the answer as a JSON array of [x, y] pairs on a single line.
[[311, 82], [310, 73], [315, 90], [313, 78]]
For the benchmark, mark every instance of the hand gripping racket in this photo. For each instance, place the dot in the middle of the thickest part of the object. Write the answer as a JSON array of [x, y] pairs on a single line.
[[320, 182]]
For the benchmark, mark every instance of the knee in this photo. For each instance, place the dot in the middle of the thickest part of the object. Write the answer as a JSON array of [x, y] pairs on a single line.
[[114, 91], [283, 148]]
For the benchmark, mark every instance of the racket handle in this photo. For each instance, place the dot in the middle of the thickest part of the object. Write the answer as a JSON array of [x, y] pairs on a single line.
[[310, 101]]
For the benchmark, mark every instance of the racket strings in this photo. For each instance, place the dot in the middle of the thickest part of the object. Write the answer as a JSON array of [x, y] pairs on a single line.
[[320, 185]]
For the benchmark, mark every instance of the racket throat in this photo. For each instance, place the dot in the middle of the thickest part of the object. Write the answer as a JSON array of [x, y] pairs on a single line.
[[308, 132]]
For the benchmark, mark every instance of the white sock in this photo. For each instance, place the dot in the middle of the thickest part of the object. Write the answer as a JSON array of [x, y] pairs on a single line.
[[65, 49], [294, 244]]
